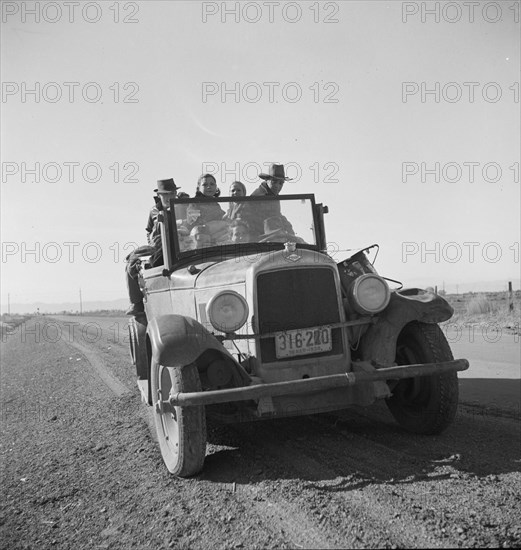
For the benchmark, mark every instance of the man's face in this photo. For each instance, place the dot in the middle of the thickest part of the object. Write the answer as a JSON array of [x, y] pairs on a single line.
[[208, 187], [275, 186], [165, 198]]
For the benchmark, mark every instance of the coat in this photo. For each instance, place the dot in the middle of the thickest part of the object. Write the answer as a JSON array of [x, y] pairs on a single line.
[[209, 211], [257, 213]]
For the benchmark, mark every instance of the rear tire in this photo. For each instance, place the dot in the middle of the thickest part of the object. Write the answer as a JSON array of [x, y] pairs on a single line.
[[181, 431], [427, 404], [138, 353]]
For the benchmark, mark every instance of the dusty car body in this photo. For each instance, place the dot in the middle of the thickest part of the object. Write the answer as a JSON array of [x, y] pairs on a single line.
[[271, 326]]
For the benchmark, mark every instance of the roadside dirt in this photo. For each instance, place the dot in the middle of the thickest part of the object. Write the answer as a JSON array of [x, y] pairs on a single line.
[[80, 467]]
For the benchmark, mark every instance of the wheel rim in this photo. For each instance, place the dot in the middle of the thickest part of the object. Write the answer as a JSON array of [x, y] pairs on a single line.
[[167, 414]]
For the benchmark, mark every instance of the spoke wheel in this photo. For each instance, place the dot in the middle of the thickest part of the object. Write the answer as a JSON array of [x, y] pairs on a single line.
[[424, 405], [181, 431]]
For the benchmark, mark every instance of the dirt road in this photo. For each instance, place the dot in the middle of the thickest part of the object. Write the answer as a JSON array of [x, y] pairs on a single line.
[[494, 379], [80, 467]]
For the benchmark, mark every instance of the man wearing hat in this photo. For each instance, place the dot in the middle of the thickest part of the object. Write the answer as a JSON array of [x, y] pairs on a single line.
[[273, 181], [270, 187], [166, 190]]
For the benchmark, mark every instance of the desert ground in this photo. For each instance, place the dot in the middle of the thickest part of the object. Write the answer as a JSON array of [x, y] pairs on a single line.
[[81, 468]]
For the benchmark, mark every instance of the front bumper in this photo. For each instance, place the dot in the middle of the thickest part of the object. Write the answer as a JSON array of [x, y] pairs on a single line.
[[317, 384]]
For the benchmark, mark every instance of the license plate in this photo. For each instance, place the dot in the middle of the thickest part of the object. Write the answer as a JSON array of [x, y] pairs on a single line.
[[302, 342]]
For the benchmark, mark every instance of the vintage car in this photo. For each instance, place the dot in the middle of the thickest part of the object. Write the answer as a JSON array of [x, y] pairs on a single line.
[[260, 322]]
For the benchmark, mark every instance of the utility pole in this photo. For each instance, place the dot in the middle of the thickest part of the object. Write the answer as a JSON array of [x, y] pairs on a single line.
[[510, 297], [81, 306]]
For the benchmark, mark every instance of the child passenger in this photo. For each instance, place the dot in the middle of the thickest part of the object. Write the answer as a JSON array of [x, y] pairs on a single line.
[[239, 232]]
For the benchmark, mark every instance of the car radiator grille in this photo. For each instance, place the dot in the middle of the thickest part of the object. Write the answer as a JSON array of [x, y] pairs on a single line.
[[297, 298]]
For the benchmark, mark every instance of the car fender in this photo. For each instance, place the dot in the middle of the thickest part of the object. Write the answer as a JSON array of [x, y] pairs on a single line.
[[177, 341], [378, 344]]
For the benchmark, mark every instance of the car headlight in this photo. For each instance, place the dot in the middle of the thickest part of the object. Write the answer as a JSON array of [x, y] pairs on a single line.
[[369, 294], [227, 311]]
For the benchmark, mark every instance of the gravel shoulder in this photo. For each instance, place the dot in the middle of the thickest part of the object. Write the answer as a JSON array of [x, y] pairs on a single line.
[[80, 466]]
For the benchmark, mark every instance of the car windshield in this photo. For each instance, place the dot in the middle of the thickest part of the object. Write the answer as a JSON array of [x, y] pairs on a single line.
[[202, 223]]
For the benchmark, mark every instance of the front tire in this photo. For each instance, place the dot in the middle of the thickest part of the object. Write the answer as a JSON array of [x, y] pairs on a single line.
[[181, 431], [427, 404]]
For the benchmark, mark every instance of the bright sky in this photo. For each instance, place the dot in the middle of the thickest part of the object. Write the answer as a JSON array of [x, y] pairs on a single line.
[[339, 102]]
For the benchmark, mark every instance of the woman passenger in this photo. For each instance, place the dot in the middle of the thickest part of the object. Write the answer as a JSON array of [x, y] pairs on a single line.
[[202, 213], [237, 189]]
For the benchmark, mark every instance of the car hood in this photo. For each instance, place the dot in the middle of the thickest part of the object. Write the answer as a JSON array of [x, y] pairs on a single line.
[[240, 268]]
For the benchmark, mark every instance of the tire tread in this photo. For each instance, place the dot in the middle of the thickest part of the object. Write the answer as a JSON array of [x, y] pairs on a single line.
[[442, 405]]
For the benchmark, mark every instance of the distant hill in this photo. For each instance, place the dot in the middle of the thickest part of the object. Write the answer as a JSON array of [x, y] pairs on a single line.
[[464, 287], [122, 303], [69, 307]]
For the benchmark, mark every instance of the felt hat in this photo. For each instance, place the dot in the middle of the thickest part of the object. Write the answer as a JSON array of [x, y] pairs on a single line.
[[276, 172], [166, 186], [272, 226]]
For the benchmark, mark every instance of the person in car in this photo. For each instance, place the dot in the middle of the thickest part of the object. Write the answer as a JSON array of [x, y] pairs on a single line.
[[239, 232], [180, 209], [237, 189], [166, 190], [201, 236], [275, 231], [273, 181], [202, 213], [257, 212]]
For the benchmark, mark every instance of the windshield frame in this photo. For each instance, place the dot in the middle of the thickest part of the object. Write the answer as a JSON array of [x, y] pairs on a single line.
[[225, 251]]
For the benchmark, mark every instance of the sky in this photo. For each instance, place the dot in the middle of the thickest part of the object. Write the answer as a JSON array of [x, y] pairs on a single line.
[[402, 117]]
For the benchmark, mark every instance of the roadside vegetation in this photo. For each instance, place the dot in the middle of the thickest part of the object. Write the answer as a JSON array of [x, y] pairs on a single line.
[[95, 313], [8, 324], [486, 308], [13, 321]]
